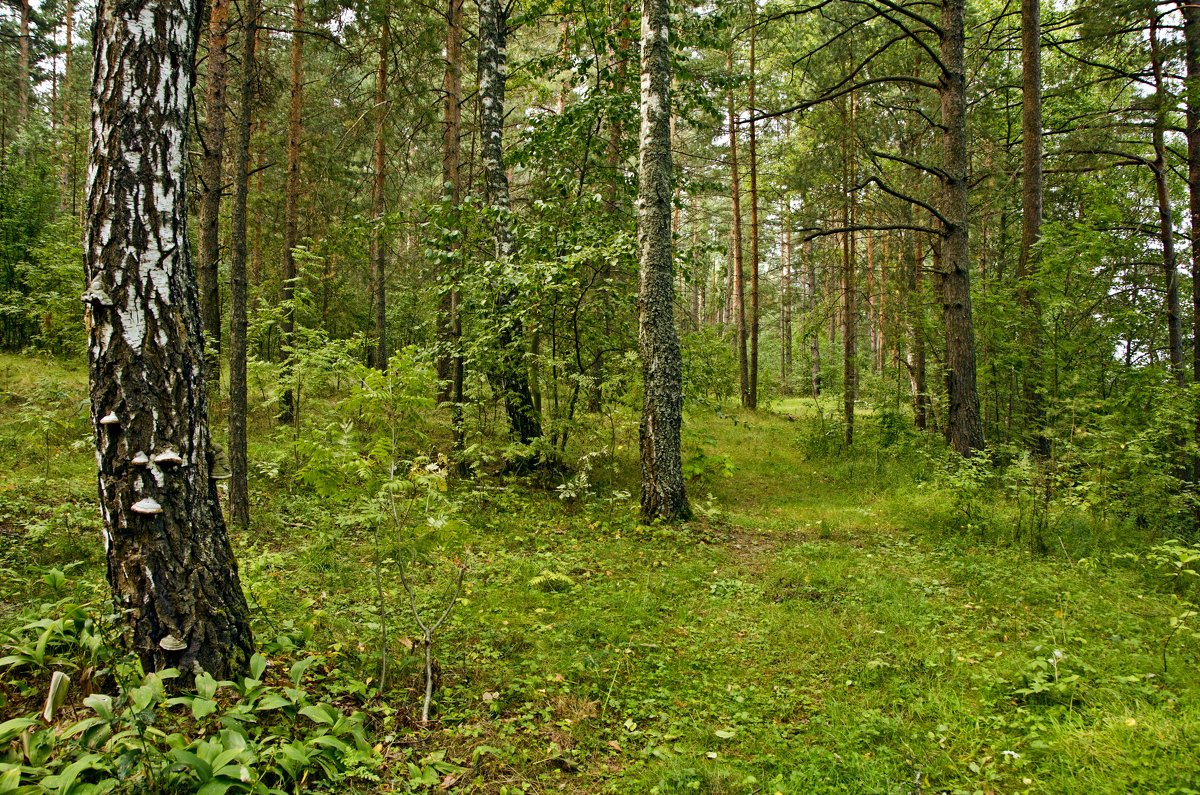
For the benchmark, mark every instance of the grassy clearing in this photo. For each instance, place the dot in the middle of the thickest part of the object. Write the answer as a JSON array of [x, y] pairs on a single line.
[[830, 624]]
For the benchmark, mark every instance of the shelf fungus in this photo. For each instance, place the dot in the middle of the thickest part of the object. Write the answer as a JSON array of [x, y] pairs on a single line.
[[147, 505], [110, 419], [172, 643], [169, 457], [96, 294], [140, 459]]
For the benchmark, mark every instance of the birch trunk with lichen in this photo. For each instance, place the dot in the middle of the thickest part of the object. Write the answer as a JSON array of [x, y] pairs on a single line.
[[170, 564], [509, 368], [663, 495]]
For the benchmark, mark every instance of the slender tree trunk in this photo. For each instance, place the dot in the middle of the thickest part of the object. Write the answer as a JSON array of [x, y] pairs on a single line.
[[291, 209], [739, 275], [1191, 36], [212, 177], [239, 494], [849, 278], [916, 314], [1166, 217], [378, 253], [785, 309], [1031, 220], [66, 174], [449, 363], [510, 371], [814, 336], [752, 400], [170, 564], [23, 62], [964, 427], [663, 495]]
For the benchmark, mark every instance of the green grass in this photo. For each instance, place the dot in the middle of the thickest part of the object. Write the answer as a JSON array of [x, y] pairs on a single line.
[[828, 625]]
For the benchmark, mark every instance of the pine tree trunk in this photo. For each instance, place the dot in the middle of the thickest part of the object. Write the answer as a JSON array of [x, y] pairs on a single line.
[[752, 399], [785, 311], [814, 336], [378, 254], [510, 372], [169, 561], [212, 177], [1191, 36], [964, 427], [1165, 216], [739, 276], [1031, 220], [239, 492], [663, 495], [449, 362], [849, 278], [23, 87], [66, 174], [291, 208]]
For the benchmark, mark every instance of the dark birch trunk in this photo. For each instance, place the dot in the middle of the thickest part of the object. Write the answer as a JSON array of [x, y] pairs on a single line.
[[378, 254], [510, 372], [291, 209], [663, 495], [169, 561], [212, 177], [964, 427], [239, 494]]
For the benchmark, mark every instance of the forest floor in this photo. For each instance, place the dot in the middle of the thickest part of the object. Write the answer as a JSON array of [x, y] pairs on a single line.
[[833, 621]]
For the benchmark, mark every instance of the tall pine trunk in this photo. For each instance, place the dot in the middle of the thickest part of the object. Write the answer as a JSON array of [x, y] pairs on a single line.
[[1191, 36], [212, 177], [450, 363], [170, 564], [752, 399], [663, 495], [738, 298], [291, 208], [1031, 221], [378, 253], [785, 307], [239, 493], [23, 61], [509, 368], [964, 427]]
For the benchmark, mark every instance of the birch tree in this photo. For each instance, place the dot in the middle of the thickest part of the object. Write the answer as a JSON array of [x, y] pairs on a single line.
[[663, 495], [169, 561]]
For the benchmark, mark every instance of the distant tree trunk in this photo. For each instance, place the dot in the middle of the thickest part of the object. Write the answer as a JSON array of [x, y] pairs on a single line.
[[291, 209], [752, 399], [23, 66], [785, 307], [849, 278], [1166, 217], [66, 175], [239, 493], [449, 363], [916, 314], [663, 495], [964, 427], [170, 564], [739, 275], [378, 254], [212, 177], [814, 336], [1031, 219], [510, 371]]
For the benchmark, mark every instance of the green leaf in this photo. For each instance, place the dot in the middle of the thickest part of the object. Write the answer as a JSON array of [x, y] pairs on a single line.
[[215, 787], [202, 769], [10, 780], [296, 672], [272, 701], [100, 704], [203, 707], [258, 664], [320, 713], [11, 729]]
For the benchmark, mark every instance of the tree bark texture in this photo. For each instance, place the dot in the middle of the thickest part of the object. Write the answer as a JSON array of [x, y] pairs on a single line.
[[1191, 36], [291, 205], [169, 561], [663, 495], [1031, 220], [378, 253], [814, 336], [449, 362], [785, 308], [510, 372], [239, 490], [964, 427], [752, 396], [212, 177], [23, 62], [738, 299]]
